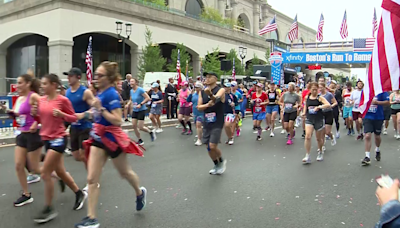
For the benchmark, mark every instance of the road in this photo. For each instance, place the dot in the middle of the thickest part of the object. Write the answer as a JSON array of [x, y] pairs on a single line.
[[265, 185]]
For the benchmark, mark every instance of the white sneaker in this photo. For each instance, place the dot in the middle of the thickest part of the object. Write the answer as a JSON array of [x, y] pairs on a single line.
[[337, 134], [230, 141], [86, 188], [306, 159], [68, 151], [213, 171], [333, 141], [159, 130], [323, 149], [198, 142], [320, 156], [221, 167], [272, 134], [385, 131], [283, 132]]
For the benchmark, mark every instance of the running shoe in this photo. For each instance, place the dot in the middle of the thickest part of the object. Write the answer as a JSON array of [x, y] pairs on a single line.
[[267, 128], [352, 131], [240, 123], [306, 159], [230, 141], [184, 131], [327, 137], [283, 132], [333, 141], [349, 132], [323, 149], [198, 142], [86, 188], [178, 126], [189, 132], [126, 120], [238, 132], [46, 215], [385, 131], [140, 142], [213, 171], [221, 167], [141, 200], [80, 198], [68, 151], [303, 136], [320, 156], [33, 178], [88, 223], [378, 156], [153, 135], [289, 142], [366, 161], [23, 200], [259, 138], [337, 134], [272, 134], [159, 130], [287, 136]]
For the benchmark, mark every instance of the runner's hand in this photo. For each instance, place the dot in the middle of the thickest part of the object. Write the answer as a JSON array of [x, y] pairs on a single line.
[[34, 109], [96, 103], [385, 195], [208, 91], [57, 113], [138, 106]]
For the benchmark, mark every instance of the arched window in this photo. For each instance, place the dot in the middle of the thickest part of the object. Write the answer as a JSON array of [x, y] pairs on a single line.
[[274, 35], [288, 40], [301, 40], [194, 7]]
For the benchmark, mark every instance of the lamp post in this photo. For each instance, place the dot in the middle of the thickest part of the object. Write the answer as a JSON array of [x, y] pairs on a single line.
[[242, 53], [128, 32]]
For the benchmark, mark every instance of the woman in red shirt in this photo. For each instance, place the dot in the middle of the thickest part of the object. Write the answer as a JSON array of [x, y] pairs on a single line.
[[54, 110], [259, 100]]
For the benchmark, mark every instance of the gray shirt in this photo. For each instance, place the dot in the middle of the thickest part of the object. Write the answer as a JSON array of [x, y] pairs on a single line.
[[289, 100], [328, 96]]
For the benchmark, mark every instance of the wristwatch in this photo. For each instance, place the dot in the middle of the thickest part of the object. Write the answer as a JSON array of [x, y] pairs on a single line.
[[102, 109]]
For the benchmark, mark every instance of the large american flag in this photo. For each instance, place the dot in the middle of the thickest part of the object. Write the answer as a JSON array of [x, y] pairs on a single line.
[[320, 32], [233, 70], [365, 44], [178, 67], [187, 70], [294, 30], [89, 62], [374, 24], [344, 33], [271, 26], [383, 72]]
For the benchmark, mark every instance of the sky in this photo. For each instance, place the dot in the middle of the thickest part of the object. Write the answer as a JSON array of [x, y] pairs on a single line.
[[359, 17]]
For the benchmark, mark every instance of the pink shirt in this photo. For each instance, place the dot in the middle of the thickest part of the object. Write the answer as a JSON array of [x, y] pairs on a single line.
[[183, 95], [53, 127]]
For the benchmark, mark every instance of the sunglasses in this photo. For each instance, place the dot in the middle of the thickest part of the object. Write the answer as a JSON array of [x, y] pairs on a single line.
[[98, 75]]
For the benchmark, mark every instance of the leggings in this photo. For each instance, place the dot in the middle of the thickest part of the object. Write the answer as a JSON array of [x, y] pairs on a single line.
[[243, 107], [336, 117]]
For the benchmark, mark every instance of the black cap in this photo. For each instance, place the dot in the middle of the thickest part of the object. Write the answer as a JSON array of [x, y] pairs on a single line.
[[74, 71], [210, 73]]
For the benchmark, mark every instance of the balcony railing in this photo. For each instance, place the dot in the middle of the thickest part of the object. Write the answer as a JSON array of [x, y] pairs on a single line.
[[323, 45]]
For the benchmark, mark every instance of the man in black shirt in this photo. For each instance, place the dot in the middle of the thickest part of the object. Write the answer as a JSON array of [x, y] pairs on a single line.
[[171, 93], [125, 94], [212, 101]]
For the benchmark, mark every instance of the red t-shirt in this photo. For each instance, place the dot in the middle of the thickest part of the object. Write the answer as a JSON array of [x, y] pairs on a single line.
[[257, 108], [304, 94]]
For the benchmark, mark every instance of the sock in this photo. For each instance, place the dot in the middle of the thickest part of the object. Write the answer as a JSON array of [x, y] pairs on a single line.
[[183, 124], [79, 192], [190, 125], [367, 154], [377, 150], [221, 160], [259, 131], [215, 162]]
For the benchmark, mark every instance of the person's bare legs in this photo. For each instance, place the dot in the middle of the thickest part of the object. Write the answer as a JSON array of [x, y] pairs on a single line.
[[20, 161], [126, 172]]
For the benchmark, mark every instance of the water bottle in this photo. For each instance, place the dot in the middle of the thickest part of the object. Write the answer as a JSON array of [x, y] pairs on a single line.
[[96, 115]]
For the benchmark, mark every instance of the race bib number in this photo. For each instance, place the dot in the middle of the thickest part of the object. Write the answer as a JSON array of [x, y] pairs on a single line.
[[311, 110], [347, 101], [22, 120], [153, 105], [258, 109], [76, 123], [230, 118], [211, 117], [288, 106], [57, 142], [356, 105], [135, 104], [271, 96], [17, 132], [373, 108]]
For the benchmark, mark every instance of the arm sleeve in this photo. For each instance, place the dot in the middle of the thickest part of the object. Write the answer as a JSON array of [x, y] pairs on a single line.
[[69, 113], [189, 98]]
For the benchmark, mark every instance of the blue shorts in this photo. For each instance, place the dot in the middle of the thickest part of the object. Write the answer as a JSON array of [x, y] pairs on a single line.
[[272, 108], [198, 118], [259, 116], [347, 112]]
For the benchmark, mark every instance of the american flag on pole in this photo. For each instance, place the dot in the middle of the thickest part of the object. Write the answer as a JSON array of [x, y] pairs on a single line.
[[320, 32], [294, 30], [233, 70], [365, 44], [270, 27], [374, 24], [344, 33], [89, 62], [383, 73], [187, 70], [178, 67]]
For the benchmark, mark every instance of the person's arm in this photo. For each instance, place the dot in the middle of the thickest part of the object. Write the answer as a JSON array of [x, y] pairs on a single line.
[[200, 105], [391, 99], [146, 99], [280, 101], [67, 112], [305, 106], [115, 116], [334, 102], [189, 98], [383, 101], [240, 98], [325, 103], [160, 101]]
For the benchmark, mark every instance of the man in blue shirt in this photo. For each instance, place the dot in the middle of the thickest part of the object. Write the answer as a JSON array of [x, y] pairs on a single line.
[[372, 122], [239, 97]]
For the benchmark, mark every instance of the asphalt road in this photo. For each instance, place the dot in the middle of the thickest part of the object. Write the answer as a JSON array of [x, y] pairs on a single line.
[[265, 185]]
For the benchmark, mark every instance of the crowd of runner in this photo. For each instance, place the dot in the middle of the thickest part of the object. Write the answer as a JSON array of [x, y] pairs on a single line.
[[94, 117]]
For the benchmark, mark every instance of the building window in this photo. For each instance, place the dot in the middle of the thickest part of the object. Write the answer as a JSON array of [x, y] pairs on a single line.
[[194, 8]]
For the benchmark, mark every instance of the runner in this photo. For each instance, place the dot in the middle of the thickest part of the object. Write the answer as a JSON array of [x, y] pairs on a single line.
[[28, 142], [328, 112], [198, 116], [298, 118], [184, 109], [336, 109], [239, 98], [157, 102], [80, 98], [54, 110], [244, 102], [229, 110], [272, 108], [348, 108], [290, 102], [139, 98], [259, 100], [109, 140], [212, 101], [250, 95], [387, 112], [395, 106], [305, 92], [373, 122], [314, 104], [355, 98]]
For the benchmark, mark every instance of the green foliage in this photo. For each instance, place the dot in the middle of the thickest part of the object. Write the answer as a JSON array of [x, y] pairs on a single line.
[[238, 63], [212, 63], [254, 61], [151, 60], [267, 53], [184, 57], [212, 15], [156, 2]]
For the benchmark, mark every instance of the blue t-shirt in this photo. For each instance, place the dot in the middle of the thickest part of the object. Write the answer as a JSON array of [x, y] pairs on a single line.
[[229, 98], [194, 98], [79, 106], [239, 96], [110, 100], [375, 112], [137, 98]]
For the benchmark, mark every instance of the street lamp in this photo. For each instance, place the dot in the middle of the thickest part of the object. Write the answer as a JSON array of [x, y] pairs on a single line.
[[242, 53], [128, 32]]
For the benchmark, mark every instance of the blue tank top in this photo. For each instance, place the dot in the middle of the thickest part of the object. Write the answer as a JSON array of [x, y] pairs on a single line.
[[79, 105]]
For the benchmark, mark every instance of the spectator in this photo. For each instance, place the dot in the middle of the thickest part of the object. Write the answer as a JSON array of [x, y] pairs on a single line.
[[125, 94], [171, 93], [389, 200]]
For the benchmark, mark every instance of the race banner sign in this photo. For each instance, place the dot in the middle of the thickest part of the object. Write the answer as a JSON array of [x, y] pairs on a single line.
[[327, 57]]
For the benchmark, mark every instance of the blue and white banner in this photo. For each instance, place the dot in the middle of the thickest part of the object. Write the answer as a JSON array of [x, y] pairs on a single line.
[[327, 57], [276, 67]]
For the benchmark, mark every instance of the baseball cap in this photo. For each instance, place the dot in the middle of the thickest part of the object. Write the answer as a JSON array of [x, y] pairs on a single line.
[[198, 85], [210, 73], [334, 82], [184, 83], [260, 85], [74, 71], [227, 84], [233, 83], [155, 85], [254, 82]]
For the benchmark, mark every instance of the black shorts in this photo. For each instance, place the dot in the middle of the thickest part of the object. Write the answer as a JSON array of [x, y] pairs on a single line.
[[289, 117], [66, 124], [328, 116], [139, 115], [57, 145], [77, 136], [29, 141], [395, 111], [112, 154], [372, 126], [212, 135], [387, 113]]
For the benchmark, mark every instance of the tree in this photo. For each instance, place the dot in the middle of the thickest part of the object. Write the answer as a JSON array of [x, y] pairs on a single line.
[[157, 2], [151, 60], [212, 63], [254, 61], [212, 15], [183, 58], [238, 64], [267, 53]]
